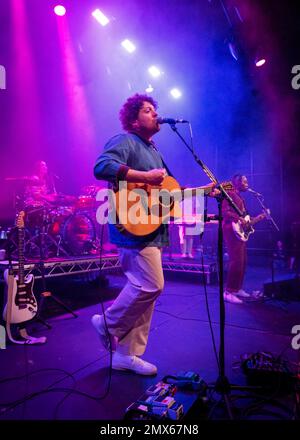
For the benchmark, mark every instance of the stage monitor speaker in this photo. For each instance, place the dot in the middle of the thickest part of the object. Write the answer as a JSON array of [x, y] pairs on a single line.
[[285, 288]]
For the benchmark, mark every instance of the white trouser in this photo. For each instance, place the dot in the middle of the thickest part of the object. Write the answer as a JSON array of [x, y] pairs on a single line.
[[129, 317]]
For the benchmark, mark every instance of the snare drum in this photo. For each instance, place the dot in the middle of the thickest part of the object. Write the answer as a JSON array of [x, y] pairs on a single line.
[[85, 203]]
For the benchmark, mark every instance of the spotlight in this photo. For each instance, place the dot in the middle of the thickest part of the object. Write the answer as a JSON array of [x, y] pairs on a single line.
[[100, 17], [149, 89], [128, 45], [176, 93], [59, 10], [259, 61], [154, 71]]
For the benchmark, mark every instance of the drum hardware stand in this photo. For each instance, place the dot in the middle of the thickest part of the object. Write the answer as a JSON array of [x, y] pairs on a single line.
[[60, 248], [37, 234], [47, 294], [222, 385]]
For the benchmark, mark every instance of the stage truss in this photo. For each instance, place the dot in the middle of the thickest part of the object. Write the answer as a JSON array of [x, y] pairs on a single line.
[[109, 263]]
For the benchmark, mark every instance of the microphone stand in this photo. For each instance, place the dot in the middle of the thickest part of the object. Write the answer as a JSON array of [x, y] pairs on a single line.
[[260, 200], [222, 384], [266, 211]]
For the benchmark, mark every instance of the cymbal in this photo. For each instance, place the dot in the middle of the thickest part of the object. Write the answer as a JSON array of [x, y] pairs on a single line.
[[21, 178], [59, 199], [90, 190]]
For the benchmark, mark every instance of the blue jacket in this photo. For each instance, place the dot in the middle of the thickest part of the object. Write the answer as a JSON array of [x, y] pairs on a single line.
[[122, 152]]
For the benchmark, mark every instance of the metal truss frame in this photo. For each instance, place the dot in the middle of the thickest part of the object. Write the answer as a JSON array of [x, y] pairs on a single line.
[[109, 264]]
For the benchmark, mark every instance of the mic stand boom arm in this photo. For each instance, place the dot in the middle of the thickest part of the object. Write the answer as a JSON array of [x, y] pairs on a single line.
[[267, 212], [208, 172]]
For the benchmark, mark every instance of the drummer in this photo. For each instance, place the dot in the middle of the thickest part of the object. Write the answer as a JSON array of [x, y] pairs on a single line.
[[39, 185]]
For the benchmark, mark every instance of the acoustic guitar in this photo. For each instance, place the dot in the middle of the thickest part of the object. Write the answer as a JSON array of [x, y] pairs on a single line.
[[142, 208]]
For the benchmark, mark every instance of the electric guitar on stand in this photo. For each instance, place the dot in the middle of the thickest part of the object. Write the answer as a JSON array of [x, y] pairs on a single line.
[[23, 301], [21, 304]]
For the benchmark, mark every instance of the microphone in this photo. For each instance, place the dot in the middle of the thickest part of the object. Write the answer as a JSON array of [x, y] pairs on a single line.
[[254, 192], [171, 121]]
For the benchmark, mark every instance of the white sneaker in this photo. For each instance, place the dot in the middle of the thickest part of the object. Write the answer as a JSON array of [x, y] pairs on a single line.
[[108, 341], [232, 298], [242, 293], [132, 363]]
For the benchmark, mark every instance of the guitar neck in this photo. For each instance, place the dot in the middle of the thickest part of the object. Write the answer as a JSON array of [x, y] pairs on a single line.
[[21, 242], [257, 219], [192, 192]]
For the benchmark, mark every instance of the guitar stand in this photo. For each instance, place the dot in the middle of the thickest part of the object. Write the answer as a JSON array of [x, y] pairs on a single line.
[[47, 294]]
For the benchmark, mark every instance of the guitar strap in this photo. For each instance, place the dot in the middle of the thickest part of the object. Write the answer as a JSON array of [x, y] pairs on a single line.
[[166, 166], [162, 159], [152, 144]]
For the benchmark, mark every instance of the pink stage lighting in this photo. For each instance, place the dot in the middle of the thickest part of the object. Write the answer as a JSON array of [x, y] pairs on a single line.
[[100, 17], [60, 10], [260, 62]]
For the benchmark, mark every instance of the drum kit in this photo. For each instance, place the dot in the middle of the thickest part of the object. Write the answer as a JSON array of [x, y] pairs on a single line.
[[61, 224]]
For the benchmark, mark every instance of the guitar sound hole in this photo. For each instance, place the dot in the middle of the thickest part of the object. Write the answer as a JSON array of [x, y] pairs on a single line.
[[165, 199]]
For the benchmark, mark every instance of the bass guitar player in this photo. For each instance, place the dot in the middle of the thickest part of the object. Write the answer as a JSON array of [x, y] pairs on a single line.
[[236, 229]]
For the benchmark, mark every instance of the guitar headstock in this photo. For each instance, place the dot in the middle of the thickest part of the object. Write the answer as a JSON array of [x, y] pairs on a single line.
[[20, 220], [227, 185]]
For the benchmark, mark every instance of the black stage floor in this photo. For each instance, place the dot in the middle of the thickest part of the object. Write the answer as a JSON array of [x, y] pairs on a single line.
[[180, 340]]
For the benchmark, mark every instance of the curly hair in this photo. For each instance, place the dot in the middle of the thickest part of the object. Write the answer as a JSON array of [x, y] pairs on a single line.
[[130, 109]]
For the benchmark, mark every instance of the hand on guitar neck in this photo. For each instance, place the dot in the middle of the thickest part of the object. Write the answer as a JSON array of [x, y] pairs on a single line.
[[243, 228], [247, 220]]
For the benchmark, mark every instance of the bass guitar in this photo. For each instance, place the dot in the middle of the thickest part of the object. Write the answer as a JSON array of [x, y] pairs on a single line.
[[242, 230]]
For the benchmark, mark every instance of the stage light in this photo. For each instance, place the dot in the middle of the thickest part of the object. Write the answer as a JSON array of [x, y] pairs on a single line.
[[100, 17], [149, 89], [60, 10], [233, 50], [154, 71], [128, 45], [259, 61], [176, 93]]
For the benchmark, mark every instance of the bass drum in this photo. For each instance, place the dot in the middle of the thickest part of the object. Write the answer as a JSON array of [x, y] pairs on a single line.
[[79, 234]]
